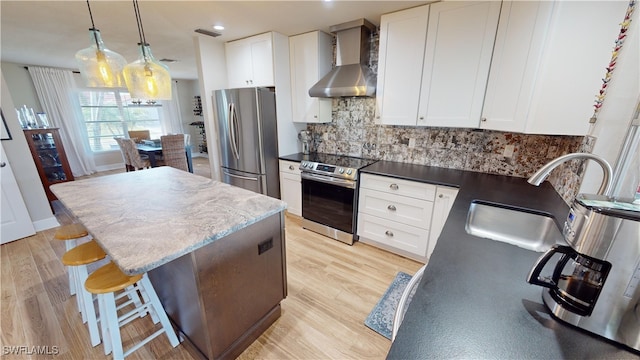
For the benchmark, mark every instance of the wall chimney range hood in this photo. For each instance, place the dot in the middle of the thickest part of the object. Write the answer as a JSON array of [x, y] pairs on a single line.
[[351, 76]]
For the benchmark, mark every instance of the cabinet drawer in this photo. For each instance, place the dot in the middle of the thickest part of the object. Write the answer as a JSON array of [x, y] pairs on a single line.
[[406, 210], [392, 234], [290, 167], [395, 186]]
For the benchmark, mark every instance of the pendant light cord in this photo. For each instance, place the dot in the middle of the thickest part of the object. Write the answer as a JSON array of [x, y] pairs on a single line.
[[143, 39], [93, 27]]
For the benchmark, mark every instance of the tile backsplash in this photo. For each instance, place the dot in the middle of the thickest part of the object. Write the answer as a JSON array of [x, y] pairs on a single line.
[[353, 132]]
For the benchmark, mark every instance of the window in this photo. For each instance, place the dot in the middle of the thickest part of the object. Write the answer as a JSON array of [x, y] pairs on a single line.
[[112, 113]]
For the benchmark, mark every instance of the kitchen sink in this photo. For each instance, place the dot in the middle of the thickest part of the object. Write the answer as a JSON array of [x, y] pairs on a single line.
[[528, 229]]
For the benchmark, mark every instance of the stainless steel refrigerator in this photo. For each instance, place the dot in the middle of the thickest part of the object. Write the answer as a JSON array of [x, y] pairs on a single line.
[[246, 121]]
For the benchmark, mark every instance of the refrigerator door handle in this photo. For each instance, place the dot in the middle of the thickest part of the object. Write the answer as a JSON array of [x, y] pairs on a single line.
[[240, 177], [233, 124]]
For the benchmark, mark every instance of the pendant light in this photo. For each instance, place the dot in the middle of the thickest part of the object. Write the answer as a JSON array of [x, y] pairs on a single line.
[[147, 78], [99, 66]]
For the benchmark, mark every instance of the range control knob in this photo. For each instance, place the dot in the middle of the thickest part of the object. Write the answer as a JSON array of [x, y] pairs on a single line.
[[341, 170], [349, 171]]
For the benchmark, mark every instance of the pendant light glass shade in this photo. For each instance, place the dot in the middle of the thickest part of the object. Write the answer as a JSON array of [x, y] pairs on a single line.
[[147, 78], [99, 66]]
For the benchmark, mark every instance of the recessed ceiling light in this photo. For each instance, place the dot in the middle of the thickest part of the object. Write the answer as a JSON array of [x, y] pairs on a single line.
[[218, 27]]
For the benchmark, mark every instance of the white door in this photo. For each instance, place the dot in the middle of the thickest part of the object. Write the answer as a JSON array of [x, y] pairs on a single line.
[[15, 219]]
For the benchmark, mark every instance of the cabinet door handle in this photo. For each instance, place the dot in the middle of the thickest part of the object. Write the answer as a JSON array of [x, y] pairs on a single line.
[[291, 168], [483, 119], [440, 196], [393, 186], [3, 164], [421, 118], [391, 207], [388, 233]]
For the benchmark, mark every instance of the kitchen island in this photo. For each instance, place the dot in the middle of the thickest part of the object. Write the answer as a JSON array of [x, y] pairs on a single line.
[[214, 253], [473, 300]]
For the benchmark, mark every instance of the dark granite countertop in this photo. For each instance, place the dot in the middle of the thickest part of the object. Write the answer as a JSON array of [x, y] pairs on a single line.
[[474, 301], [297, 157]]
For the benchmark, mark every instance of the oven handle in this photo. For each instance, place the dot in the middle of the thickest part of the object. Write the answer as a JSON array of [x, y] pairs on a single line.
[[328, 180]]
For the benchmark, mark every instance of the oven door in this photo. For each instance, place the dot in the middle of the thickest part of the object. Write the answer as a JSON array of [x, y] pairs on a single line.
[[328, 201]]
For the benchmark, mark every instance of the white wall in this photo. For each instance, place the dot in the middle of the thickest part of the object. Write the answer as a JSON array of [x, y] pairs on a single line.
[[618, 107], [20, 85], [23, 166], [212, 72]]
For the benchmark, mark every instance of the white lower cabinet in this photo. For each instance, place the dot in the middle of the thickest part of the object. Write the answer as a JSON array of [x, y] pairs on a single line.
[[445, 196], [401, 216], [291, 186], [390, 235]]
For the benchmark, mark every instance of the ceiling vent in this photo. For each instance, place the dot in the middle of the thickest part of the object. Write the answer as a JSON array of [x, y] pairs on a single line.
[[207, 32]]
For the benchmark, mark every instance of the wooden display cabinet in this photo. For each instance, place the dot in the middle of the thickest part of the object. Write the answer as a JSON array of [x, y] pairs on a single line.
[[48, 154]]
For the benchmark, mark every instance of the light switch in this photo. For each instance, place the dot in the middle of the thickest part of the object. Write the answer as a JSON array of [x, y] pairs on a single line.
[[508, 151]]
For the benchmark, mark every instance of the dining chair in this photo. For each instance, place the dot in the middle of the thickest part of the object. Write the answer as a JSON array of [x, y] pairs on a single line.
[[137, 161], [125, 155], [139, 135], [173, 151]]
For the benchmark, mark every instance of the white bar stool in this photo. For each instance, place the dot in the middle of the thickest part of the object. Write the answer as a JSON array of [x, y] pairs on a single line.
[[107, 280], [77, 260], [70, 234]]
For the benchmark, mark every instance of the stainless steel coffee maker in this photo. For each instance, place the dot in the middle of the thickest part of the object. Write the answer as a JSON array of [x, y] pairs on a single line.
[[305, 138], [595, 284]]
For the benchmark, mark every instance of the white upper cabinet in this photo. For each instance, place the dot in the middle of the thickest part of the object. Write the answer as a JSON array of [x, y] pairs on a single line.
[[250, 61], [434, 63], [582, 36], [310, 57], [548, 63], [516, 60], [459, 45], [401, 58]]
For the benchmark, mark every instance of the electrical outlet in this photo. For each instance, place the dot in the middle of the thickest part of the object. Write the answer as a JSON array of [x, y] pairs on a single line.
[[508, 151], [325, 136], [412, 143]]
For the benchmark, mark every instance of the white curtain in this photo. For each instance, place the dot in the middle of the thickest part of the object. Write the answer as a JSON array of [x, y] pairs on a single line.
[[55, 89], [172, 115]]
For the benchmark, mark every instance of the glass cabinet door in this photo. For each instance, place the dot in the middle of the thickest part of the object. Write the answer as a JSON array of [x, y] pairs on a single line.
[[49, 157]]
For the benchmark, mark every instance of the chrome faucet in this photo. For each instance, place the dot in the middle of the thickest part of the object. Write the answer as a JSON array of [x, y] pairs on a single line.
[[605, 189]]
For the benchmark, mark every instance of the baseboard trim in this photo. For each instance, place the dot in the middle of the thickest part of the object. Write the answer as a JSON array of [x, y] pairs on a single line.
[[110, 167], [45, 224]]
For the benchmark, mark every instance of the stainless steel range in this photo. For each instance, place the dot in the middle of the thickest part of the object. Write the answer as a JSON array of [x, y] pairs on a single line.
[[329, 184]]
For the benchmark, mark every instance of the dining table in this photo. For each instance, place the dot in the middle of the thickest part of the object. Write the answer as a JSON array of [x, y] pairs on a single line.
[[152, 150]]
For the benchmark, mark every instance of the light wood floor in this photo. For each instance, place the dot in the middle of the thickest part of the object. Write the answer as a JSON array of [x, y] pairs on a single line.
[[332, 287]]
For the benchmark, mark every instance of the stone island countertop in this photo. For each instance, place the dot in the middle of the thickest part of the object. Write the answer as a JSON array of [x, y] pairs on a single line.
[[144, 219]]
